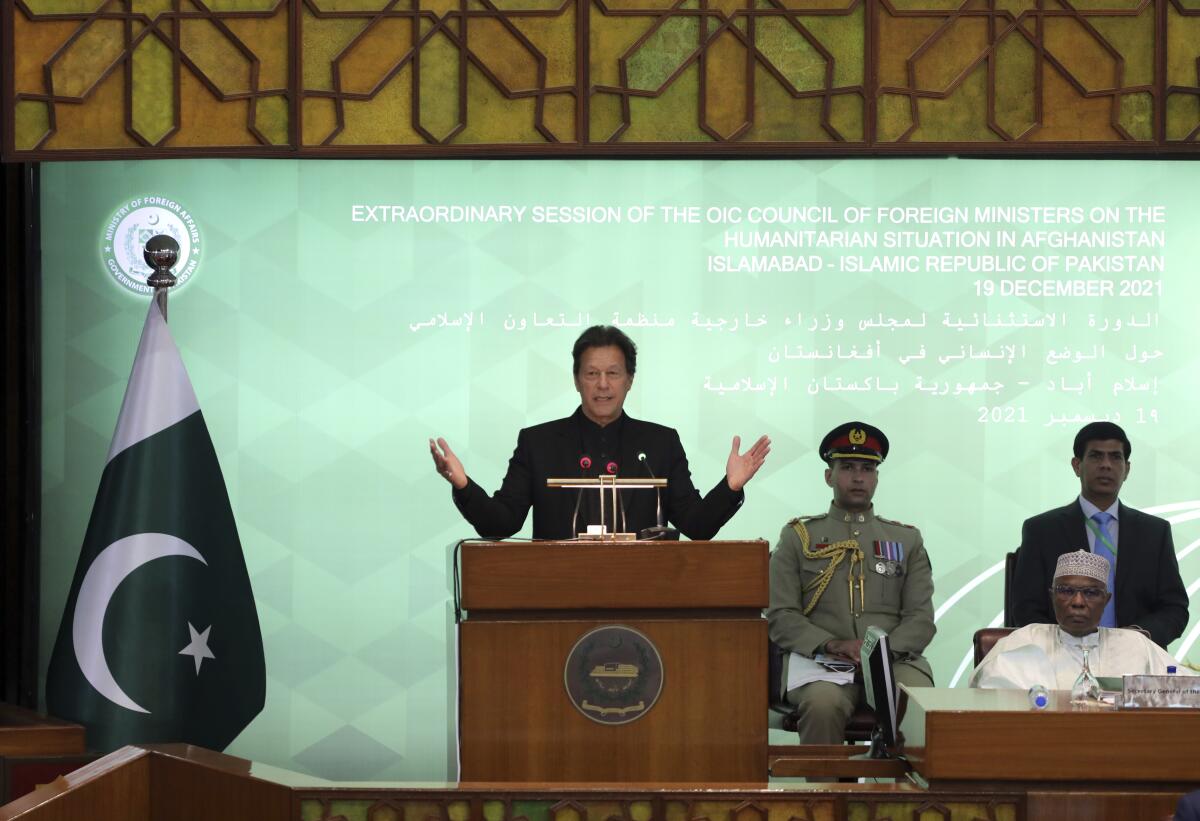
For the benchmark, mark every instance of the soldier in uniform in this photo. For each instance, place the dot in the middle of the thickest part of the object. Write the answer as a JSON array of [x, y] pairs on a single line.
[[836, 574]]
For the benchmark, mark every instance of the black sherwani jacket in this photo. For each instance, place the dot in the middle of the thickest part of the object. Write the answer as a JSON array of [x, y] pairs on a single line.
[[1149, 591], [552, 450]]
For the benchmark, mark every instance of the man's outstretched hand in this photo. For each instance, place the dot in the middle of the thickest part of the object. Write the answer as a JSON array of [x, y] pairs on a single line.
[[447, 463], [741, 467]]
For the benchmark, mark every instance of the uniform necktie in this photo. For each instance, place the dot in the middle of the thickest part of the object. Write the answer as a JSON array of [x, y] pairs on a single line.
[[1103, 540]]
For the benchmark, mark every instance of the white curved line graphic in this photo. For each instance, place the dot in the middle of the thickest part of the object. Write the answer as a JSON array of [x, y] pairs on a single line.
[[970, 656], [1173, 507], [110, 568], [1184, 517], [967, 588], [1182, 554], [1188, 642], [1195, 634]]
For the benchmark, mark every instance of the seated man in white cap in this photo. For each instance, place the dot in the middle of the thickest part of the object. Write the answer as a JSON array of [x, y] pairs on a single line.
[[1052, 654]]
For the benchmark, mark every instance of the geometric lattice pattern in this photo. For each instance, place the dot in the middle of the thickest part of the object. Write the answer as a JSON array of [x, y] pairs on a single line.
[[464, 805], [729, 70], [317, 77], [1024, 70], [1182, 92], [438, 72], [136, 74]]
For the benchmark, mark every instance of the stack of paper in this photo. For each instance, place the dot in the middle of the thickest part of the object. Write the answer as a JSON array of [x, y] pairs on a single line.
[[804, 670]]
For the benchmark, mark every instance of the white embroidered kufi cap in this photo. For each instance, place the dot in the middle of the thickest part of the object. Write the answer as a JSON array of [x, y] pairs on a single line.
[[1082, 563]]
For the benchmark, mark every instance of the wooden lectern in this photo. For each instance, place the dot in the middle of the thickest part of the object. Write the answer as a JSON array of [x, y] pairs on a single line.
[[696, 714]]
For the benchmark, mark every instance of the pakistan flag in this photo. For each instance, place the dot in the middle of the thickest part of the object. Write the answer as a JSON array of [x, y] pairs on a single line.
[[160, 638]]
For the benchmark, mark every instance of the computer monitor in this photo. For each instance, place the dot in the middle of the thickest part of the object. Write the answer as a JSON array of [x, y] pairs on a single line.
[[881, 692]]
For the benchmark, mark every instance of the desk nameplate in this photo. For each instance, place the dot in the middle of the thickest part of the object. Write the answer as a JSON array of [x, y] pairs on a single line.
[[1160, 692]]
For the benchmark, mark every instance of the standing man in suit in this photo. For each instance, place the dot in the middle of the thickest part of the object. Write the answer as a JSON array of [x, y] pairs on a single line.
[[1148, 592], [599, 439], [836, 574]]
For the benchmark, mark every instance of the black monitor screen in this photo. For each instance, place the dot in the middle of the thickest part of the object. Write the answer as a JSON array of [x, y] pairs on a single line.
[[880, 684]]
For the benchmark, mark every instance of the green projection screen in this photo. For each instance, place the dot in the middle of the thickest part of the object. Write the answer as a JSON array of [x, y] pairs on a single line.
[[336, 315]]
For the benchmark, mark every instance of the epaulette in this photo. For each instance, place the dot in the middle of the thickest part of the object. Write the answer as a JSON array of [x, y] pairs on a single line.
[[812, 518], [894, 522]]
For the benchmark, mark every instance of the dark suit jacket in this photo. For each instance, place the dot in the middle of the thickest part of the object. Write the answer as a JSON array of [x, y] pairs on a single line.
[[1149, 591], [552, 449], [1188, 808]]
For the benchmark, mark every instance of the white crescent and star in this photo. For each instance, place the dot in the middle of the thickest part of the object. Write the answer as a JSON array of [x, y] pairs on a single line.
[[110, 568]]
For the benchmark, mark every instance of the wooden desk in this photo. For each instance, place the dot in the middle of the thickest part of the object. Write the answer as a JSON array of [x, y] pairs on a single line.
[[24, 732], [35, 749], [1072, 762]]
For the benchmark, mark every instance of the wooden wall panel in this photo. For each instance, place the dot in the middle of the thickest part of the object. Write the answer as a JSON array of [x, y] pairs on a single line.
[[126, 78]]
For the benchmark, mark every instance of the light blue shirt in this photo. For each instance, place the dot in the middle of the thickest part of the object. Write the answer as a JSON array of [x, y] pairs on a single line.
[[1114, 527]]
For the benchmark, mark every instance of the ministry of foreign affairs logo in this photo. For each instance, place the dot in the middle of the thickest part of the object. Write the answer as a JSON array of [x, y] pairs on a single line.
[[613, 674], [135, 221]]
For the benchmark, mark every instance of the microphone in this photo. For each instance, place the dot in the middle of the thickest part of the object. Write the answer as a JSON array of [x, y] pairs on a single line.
[[585, 464], [618, 499], [660, 531]]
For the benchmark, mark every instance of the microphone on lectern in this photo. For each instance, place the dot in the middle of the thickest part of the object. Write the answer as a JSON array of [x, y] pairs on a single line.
[[659, 531], [585, 464]]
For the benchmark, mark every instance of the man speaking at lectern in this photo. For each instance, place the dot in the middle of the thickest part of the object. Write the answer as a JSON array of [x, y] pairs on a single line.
[[599, 439]]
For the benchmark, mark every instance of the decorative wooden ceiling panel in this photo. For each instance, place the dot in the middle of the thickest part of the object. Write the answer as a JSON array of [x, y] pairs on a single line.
[[415, 77]]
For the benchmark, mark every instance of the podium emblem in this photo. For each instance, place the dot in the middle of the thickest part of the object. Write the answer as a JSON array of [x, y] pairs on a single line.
[[613, 674]]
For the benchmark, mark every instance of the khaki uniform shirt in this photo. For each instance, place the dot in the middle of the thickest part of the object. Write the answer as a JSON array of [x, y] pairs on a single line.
[[897, 595]]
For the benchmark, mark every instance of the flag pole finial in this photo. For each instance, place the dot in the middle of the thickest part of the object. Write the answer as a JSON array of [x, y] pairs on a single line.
[[161, 253]]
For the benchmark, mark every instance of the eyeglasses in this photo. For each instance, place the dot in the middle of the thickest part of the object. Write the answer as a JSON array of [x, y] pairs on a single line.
[[1066, 592], [594, 376]]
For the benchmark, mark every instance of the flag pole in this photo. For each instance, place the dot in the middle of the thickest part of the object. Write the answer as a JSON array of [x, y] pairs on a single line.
[[161, 253]]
